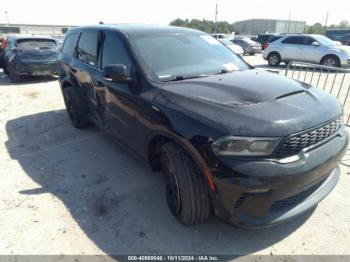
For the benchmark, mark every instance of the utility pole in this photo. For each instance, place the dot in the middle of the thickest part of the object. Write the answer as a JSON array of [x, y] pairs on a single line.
[[7, 18], [326, 22], [216, 17], [290, 15]]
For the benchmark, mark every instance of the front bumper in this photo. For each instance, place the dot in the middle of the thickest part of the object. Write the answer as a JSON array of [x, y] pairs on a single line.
[[293, 187], [37, 68]]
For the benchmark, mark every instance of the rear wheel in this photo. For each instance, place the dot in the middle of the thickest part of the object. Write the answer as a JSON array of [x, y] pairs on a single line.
[[274, 59], [186, 188], [330, 60], [6, 71], [77, 108], [14, 77]]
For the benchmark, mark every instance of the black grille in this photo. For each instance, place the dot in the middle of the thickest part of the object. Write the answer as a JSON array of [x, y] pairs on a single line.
[[292, 201], [240, 201], [295, 143]]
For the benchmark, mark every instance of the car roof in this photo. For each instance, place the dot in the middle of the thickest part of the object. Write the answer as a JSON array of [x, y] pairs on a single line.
[[139, 29]]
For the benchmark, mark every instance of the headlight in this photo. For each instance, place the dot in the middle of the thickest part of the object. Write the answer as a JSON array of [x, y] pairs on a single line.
[[244, 146]]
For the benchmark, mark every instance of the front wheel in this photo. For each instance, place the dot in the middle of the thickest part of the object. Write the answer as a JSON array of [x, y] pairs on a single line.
[[186, 188], [330, 60]]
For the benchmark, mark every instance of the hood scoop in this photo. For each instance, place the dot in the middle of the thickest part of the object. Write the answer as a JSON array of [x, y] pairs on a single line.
[[238, 103], [295, 93]]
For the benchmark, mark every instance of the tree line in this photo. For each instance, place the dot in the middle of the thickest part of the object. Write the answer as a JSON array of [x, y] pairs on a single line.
[[227, 28]]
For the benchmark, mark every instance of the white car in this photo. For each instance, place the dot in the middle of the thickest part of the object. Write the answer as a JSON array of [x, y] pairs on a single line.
[[235, 48], [316, 49]]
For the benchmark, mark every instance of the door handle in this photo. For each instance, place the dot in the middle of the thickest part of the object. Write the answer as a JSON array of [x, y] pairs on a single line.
[[97, 83]]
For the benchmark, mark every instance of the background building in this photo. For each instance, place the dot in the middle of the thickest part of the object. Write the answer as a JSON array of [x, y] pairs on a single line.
[[48, 30], [261, 26]]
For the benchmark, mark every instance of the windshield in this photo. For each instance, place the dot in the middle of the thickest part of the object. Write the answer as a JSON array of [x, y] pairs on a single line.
[[182, 56], [324, 40], [36, 44]]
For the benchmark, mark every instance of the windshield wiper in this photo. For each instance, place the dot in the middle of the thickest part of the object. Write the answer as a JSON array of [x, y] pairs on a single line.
[[223, 71], [179, 78]]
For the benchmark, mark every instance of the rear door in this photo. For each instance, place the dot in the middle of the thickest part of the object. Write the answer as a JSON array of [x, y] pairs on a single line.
[[85, 67], [291, 48], [67, 55]]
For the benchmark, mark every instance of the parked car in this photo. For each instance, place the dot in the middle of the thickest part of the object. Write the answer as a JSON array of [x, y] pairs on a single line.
[[235, 48], [307, 48], [223, 133], [341, 35], [264, 39], [248, 45], [220, 36], [2, 47], [30, 56], [273, 39]]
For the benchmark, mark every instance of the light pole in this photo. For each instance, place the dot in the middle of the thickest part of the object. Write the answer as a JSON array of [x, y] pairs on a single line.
[[216, 18]]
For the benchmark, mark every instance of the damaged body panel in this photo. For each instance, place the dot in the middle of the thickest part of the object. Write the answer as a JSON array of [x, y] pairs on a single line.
[[30, 56], [266, 146]]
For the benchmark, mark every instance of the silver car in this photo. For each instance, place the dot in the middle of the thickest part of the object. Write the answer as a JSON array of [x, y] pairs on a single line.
[[235, 48], [249, 46], [307, 48]]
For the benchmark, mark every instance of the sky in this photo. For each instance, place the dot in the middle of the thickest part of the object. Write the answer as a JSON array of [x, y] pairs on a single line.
[[79, 12]]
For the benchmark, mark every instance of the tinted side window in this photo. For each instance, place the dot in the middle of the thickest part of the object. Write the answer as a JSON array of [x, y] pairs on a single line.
[[309, 40], [69, 44], [114, 51], [293, 40], [87, 48], [275, 38]]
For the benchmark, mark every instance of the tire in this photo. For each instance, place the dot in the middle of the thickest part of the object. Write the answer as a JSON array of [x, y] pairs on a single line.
[[76, 107], [274, 59], [330, 60], [252, 53], [186, 188], [14, 77], [4, 69]]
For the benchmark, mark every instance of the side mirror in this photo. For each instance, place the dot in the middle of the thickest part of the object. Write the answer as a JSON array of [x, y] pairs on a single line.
[[117, 73], [16, 49], [315, 43]]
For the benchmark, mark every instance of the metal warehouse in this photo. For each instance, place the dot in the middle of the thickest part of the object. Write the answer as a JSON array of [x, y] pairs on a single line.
[[28, 29], [261, 26]]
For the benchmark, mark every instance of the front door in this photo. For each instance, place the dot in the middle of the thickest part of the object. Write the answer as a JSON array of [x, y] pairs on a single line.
[[116, 98]]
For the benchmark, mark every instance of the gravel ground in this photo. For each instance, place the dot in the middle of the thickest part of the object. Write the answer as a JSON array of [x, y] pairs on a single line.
[[65, 191]]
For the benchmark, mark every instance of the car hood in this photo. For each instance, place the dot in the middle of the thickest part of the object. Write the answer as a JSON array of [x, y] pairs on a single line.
[[253, 103], [343, 47]]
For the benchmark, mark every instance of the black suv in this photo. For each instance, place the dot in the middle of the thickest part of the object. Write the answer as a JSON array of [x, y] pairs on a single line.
[[257, 147], [264, 40]]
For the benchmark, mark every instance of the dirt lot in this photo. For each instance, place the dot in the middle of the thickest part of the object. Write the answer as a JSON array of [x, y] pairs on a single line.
[[65, 191]]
